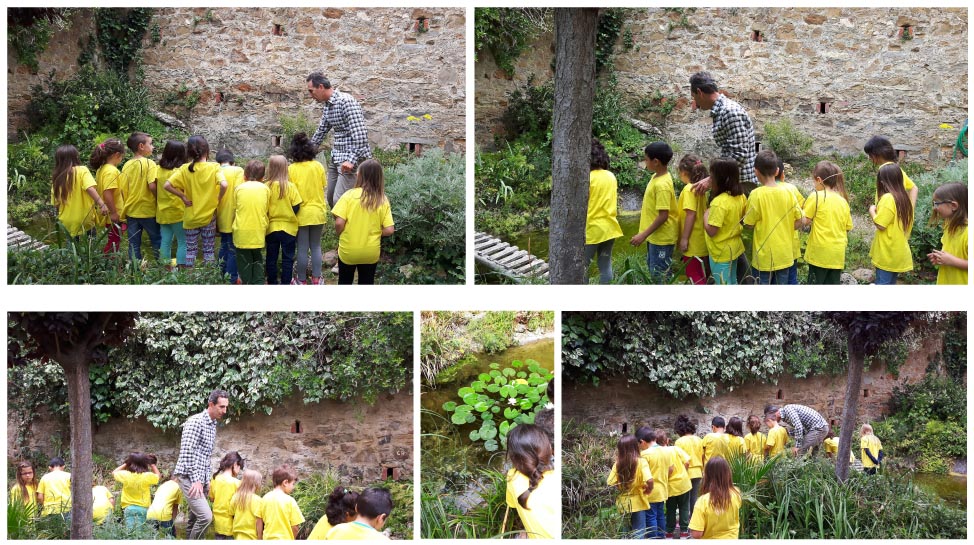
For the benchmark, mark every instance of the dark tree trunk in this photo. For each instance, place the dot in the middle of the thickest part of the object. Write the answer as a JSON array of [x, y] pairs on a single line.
[[850, 408], [575, 31], [76, 368]]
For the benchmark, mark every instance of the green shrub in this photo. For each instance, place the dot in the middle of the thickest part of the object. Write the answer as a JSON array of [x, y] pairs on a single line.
[[505, 32], [527, 117], [789, 143], [29, 169], [513, 189]]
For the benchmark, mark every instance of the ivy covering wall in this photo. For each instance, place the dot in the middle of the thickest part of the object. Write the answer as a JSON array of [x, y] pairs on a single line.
[[171, 362]]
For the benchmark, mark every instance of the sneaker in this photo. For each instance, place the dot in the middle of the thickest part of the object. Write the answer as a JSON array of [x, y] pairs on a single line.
[[669, 535], [684, 535], [296, 282], [334, 270], [238, 282], [317, 281]]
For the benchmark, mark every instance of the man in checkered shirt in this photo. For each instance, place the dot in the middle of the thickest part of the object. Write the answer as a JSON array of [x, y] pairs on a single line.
[[809, 428], [732, 127], [342, 114], [193, 466]]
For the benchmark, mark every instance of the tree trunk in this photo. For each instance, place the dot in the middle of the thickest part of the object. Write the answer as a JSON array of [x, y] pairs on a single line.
[[575, 31], [849, 410], [76, 366]]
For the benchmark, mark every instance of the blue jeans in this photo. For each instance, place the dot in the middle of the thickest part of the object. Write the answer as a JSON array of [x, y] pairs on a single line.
[[724, 273], [168, 231], [656, 523], [885, 278], [281, 243], [793, 274], [136, 226], [165, 525], [228, 256], [637, 520], [658, 259], [773, 277]]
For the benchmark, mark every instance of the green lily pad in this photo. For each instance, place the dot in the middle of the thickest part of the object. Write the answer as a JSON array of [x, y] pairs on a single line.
[[493, 388], [477, 386], [495, 366], [495, 409], [475, 435], [464, 409], [449, 406], [471, 418], [509, 372], [471, 399], [481, 406], [490, 445], [517, 364], [483, 377], [511, 413], [466, 390], [459, 418], [504, 427], [526, 404]]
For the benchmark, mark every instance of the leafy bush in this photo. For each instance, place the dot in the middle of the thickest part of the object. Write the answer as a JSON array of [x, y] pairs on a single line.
[[789, 143], [505, 32], [528, 115], [443, 519], [29, 169], [513, 189]]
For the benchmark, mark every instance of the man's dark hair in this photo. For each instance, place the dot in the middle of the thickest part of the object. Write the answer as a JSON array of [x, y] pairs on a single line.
[[766, 162], [703, 82], [215, 395], [318, 79], [719, 422], [879, 146], [661, 151], [224, 156], [373, 502]]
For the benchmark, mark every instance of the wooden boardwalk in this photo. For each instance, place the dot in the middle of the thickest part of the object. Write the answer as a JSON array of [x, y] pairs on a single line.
[[19, 240], [511, 261]]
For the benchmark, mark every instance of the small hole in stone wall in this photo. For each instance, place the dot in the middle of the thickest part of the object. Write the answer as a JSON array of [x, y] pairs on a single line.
[[781, 395], [832, 422], [219, 97], [415, 148], [275, 140], [757, 36], [865, 393], [625, 428], [421, 24], [389, 473], [278, 30], [757, 147], [296, 427], [905, 32], [824, 107]]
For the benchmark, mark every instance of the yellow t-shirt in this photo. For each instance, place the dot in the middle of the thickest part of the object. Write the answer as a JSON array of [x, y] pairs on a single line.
[[309, 178], [726, 212], [135, 487], [831, 223], [101, 503], [832, 447], [800, 202], [56, 487], [281, 209], [659, 467], [202, 187], [540, 519], [322, 528], [169, 208], [693, 446], [361, 240], [354, 531], [78, 213], [634, 499], [908, 184], [678, 482], [660, 195], [777, 439], [279, 512], [736, 446], [168, 495], [755, 444], [245, 520], [772, 212], [224, 211], [715, 444], [222, 489], [252, 216], [874, 445], [890, 249], [109, 177], [716, 525], [690, 201], [954, 244], [140, 201], [603, 200], [15, 495]]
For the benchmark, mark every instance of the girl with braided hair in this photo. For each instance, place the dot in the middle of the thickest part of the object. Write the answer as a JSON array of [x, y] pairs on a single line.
[[531, 485]]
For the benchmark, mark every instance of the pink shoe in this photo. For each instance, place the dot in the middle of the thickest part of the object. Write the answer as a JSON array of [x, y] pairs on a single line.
[[317, 281], [296, 282]]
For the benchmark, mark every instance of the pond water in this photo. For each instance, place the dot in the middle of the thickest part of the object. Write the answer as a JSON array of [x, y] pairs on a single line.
[[951, 488]]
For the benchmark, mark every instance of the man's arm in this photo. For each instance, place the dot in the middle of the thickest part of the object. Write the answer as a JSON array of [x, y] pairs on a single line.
[[323, 127]]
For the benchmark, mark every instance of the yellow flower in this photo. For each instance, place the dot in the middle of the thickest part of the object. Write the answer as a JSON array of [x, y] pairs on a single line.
[[946, 126], [427, 117], [412, 118]]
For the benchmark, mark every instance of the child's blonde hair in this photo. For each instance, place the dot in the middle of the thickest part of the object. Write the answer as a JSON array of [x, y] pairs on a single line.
[[866, 428], [370, 178], [250, 481], [831, 176], [277, 172]]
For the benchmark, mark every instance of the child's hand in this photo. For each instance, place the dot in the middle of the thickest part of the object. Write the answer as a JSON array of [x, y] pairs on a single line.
[[114, 216], [684, 244], [638, 239], [936, 257], [872, 210], [187, 202]]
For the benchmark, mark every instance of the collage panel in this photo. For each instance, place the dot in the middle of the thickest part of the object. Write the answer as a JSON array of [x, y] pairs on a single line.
[[213, 145], [721, 145], [130, 425], [764, 425], [487, 425]]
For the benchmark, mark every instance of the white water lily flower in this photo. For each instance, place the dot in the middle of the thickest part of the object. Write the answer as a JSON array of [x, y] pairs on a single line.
[[512, 401]]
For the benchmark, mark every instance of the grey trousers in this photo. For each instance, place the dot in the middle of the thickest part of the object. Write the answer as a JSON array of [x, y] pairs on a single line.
[[603, 254], [812, 440], [200, 514], [309, 239], [338, 183]]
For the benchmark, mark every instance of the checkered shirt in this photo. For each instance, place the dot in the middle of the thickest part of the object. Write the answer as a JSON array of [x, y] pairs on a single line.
[[802, 419], [196, 447], [343, 114], [734, 133]]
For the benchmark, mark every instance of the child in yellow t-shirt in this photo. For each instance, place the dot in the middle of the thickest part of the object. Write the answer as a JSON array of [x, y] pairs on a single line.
[[54, 489], [102, 503], [774, 213], [340, 509], [881, 153], [800, 201], [755, 440], [678, 486], [872, 450], [631, 475], [140, 200], [250, 220], [282, 231], [692, 445], [224, 213], [75, 193], [658, 221], [831, 443], [136, 475], [104, 160], [222, 488], [777, 437], [165, 505], [372, 509], [170, 208], [736, 445], [279, 513], [715, 443], [363, 216], [245, 507], [691, 208], [950, 204], [827, 211], [722, 220], [716, 514], [25, 491], [893, 218], [536, 499], [601, 226], [661, 467], [308, 176]]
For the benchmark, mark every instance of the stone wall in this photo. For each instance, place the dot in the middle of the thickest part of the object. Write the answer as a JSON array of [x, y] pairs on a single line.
[[249, 66], [851, 61], [615, 402], [359, 440]]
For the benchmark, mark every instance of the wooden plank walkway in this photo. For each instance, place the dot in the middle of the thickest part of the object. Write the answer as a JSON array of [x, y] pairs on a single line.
[[503, 258], [19, 240]]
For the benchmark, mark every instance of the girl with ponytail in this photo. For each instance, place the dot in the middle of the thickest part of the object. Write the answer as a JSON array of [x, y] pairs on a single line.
[[531, 485], [104, 162]]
